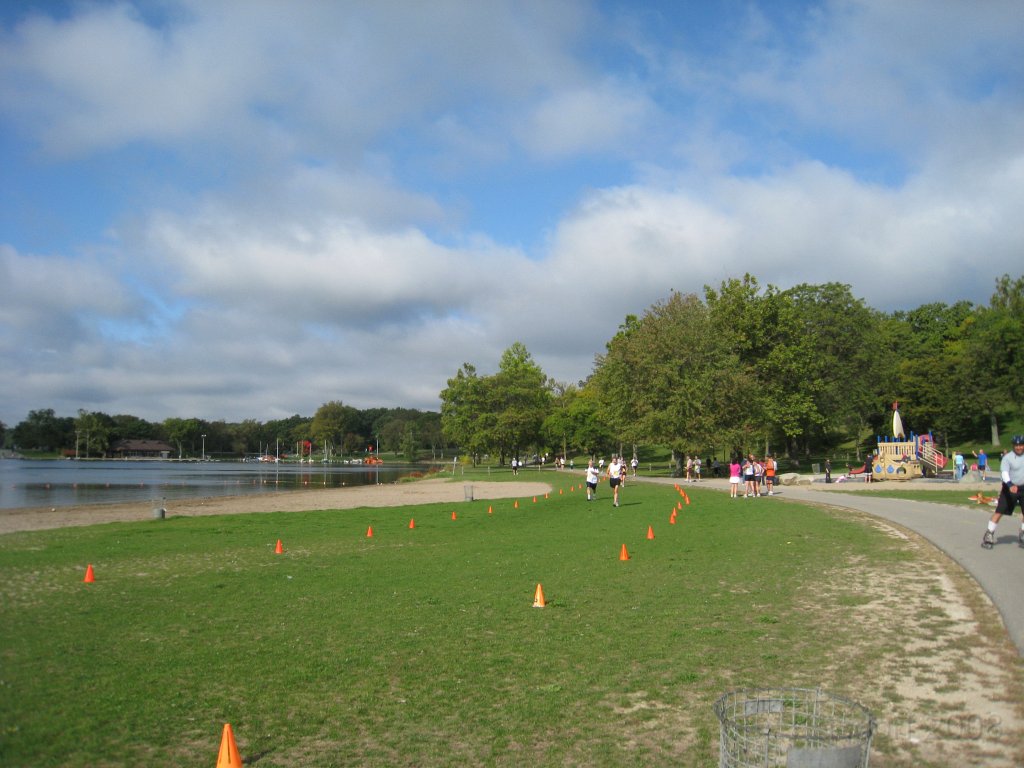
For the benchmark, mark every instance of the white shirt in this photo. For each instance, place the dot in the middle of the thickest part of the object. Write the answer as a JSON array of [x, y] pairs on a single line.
[[1012, 468]]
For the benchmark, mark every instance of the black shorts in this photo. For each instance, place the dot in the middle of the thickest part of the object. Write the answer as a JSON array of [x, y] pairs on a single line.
[[1008, 501], [614, 481], [592, 485]]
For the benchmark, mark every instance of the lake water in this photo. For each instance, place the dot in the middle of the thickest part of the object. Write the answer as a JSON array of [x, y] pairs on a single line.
[[69, 483]]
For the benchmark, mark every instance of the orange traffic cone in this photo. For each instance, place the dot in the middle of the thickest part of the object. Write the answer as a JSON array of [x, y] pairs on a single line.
[[538, 598], [516, 505], [279, 550], [679, 505], [90, 577], [560, 490], [453, 515], [369, 532], [623, 555], [672, 517], [534, 499], [490, 509], [228, 756], [650, 533], [545, 495], [412, 524], [687, 501]]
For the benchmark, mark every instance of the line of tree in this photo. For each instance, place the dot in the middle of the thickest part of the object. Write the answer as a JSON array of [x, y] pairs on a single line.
[[798, 372], [335, 429]]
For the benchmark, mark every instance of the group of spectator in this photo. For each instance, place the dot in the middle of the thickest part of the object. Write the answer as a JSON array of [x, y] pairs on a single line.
[[757, 475]]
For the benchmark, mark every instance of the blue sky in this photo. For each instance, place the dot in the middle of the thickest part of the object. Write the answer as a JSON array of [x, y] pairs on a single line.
[[243, 210]]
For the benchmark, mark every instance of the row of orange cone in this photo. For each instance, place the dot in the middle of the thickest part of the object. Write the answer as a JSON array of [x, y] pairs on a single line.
[[90, 574], [229, 756]]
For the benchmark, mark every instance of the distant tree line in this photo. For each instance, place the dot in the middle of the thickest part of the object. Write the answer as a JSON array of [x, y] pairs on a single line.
[[335, 430], [797, 372]]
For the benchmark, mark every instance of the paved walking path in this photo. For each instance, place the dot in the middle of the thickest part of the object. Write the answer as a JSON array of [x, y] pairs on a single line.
[[955, 530]]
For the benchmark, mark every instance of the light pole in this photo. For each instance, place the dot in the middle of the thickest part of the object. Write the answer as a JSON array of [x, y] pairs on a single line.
[[203, 457]]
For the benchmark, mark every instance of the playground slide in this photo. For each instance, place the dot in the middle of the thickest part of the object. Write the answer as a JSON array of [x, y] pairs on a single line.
[[939, 457]]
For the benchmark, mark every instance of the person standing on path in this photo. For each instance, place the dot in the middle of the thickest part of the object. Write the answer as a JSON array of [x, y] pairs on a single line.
[[982, 458], [770, 467], [1011, 469], [615, 469], [748, 476], [734, 477]]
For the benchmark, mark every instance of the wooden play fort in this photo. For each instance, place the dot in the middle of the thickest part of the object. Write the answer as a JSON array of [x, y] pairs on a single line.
[[906, 459]]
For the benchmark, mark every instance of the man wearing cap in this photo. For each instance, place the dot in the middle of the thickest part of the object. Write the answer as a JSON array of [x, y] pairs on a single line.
[[1011, 468]]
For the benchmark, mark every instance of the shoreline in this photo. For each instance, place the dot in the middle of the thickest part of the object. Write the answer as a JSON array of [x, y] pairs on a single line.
[[424, 491], [427, 491]]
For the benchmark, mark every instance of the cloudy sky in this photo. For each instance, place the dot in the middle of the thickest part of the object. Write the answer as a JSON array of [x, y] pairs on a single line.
[[243, 209]]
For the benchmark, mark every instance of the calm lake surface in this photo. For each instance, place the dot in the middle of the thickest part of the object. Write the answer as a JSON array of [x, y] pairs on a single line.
[[69, 483]]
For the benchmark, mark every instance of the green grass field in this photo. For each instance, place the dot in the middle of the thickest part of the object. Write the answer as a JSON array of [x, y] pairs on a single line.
[[418, 646]]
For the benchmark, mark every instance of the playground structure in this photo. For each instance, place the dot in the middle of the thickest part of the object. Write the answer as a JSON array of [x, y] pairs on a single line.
[[906, 459], [902, 458]]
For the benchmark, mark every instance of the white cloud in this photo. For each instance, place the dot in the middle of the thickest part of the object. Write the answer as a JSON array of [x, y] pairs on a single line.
[[609, 117], [45, 299], [325, 76], [321, 250], [895, 75]]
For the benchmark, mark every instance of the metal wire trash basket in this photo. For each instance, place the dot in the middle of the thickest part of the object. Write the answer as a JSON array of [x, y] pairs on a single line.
[[792, 728]]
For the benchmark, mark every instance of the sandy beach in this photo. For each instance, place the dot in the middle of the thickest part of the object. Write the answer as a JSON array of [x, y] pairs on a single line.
[[388, 495], [434, 490]]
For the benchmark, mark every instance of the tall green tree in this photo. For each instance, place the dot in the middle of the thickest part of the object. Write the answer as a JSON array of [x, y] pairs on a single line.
[[45, 431], [329, 425], [92, 433], [927, 347], [184, 433], [521, 399], [993, 354], [575, 423], [666, 379], [500, 414], [819, 364], [464, 410], [128, 427]]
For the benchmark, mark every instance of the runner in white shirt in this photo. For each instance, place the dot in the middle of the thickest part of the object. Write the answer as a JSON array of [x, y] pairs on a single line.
[[615, 477], [592, 478]]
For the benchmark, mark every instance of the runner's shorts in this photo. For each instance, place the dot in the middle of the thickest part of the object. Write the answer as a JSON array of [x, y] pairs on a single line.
[[1008, 501]]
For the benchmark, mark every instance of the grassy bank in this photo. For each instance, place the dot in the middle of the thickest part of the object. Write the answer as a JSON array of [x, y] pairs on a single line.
[[420, 646]]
